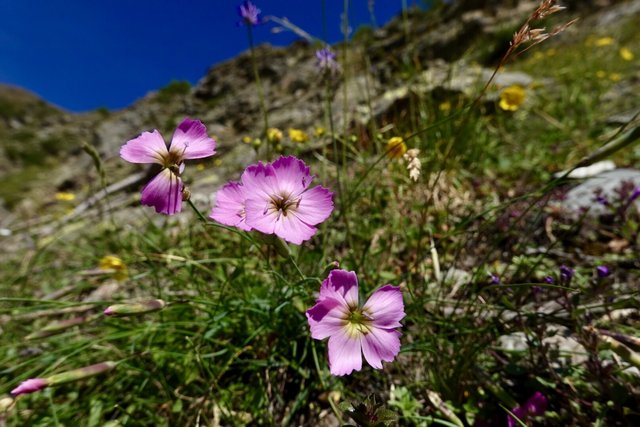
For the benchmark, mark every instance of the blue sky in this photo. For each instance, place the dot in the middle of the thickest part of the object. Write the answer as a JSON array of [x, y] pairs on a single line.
[[82, 55]]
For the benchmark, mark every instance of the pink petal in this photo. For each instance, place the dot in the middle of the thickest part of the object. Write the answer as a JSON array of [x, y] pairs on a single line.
[[315, 206], [385, 307], [164, 193], [292, 229], [190, 140], [258, 216], [229, 208], [292, 175], [149, 147], [341, 285], [379, 345], [29, 386], [259, 181], [344, 353], [326, 318]]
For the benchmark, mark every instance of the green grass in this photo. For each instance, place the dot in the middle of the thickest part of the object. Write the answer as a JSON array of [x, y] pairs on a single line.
[[233, 345]]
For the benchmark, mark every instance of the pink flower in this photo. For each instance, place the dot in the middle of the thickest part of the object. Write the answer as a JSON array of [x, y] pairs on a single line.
[[229, 208], [29, 386], [275, 198], [353, 330], [190, 141]]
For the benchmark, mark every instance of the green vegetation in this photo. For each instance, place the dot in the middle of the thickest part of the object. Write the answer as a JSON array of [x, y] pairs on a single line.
[[473, 243], [173, 89]]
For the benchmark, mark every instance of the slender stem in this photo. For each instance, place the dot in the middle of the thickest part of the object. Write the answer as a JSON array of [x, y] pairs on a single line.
[[341, 190], [197, 211], [295, 265], [256, 75]]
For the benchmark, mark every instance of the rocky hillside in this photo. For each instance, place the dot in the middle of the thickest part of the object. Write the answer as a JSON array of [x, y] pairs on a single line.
[[42, 146]]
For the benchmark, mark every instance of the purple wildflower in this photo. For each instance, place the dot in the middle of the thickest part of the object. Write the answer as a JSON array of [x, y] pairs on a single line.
[[535, 406], [275, 198], [326, 60], [353, 330], [249, 13], [494, 279], [30, 386], [603, 271], [566, 273], [635, 194], [190, 141], [549, 280], [602, 200]]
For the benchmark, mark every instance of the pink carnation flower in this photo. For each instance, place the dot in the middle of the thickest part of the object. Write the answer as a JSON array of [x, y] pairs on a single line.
[[229, 208], [275, 198], [190, 141], [353, 330], [29, 386]]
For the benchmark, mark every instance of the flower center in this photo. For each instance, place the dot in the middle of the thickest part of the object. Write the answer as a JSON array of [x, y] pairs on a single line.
[[172, 162], [283, 203], [358, 322]]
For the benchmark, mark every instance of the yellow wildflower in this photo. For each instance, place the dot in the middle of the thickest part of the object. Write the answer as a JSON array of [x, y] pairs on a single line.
[[511, 98], [396, 147], [601, 74], [247, 139], [319, 131], [297, 135], [217, 162], [200, 167], [615, 77], [114, 265], [626, 54], [63, 196], [537, 55], [445, 107], [551, 52], [604, 41], [274, 135]]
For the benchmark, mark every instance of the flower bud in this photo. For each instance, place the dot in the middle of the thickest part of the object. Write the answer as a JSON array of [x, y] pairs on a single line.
[[132, 309], [278, 244], [274, 135], [603, 271], [80, 373], [30, 386]]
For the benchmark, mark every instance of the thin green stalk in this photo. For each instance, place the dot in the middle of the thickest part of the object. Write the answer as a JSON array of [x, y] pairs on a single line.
[[263, 103], [341, 190]]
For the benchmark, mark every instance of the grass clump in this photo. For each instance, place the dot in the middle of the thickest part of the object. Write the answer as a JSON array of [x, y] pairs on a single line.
[[509, 311]]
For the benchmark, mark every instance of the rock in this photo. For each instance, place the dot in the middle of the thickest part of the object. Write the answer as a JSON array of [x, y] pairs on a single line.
[[561, 344], [583, 196], [588, 171]]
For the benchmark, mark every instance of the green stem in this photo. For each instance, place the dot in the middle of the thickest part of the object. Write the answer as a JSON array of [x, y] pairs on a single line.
[[256, 75], [197, 211]]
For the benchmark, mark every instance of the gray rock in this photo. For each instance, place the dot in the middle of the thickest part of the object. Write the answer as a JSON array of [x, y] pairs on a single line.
[[583, 196], [566, 348]]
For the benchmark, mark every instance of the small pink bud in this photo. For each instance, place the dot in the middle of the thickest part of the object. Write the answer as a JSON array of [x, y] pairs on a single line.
[[108, 311], [30, 386]]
